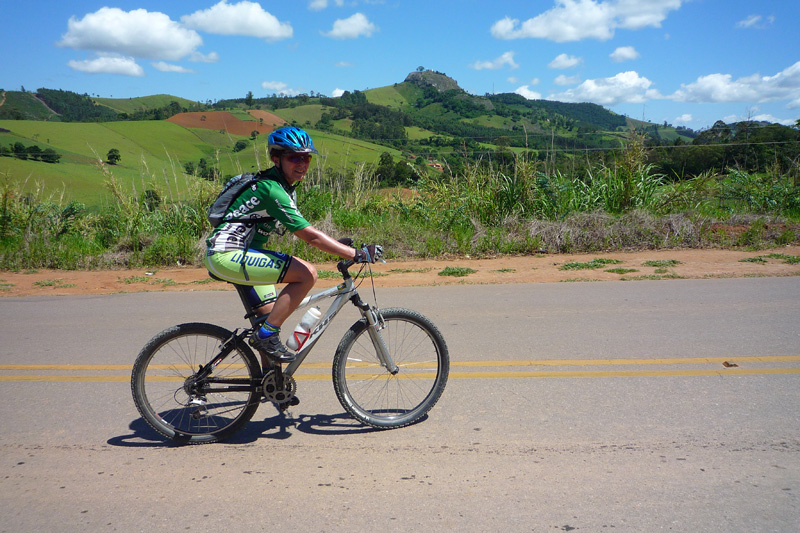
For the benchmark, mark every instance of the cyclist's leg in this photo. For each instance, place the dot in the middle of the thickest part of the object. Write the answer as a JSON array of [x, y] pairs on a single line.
[[300, 279], [262, 298], [261, 267]]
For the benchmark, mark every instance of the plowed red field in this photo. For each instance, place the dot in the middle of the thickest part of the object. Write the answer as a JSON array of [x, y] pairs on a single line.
[[222, 120]]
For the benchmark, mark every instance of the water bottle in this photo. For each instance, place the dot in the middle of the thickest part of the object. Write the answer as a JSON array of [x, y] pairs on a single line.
[[303, 330]]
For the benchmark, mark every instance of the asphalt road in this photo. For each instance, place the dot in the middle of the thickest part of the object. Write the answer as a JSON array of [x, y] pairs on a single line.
[[571, 407]]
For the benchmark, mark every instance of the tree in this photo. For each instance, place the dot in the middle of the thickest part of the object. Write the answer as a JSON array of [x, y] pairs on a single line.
[[239, 146], [34, 152], [20, 152], [248, 100], [385, 169], [50, 156], [113, 157]]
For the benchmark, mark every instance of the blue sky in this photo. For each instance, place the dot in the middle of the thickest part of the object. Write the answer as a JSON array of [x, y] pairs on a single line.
[[686, 62]]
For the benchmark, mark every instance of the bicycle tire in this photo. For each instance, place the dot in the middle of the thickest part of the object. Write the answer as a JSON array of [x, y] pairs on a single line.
[[369, 392], [163, 367]]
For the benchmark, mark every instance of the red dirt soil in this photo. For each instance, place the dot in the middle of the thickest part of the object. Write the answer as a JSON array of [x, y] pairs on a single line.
[[222, 120], [696, 264]]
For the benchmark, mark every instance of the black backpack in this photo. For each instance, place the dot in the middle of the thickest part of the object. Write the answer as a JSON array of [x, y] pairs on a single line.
[[230, 192]]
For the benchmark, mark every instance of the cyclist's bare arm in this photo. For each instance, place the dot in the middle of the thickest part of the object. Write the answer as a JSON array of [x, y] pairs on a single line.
[[322, 241]]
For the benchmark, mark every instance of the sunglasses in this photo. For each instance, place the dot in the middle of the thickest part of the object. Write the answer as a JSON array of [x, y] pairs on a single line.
[[299, 158]]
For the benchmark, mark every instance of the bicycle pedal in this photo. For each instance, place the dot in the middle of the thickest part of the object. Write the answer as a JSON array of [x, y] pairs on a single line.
[[291, 403]]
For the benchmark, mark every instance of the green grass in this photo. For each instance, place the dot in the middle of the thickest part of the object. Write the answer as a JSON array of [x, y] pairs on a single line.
[[153, 155], [387, 96], [457, 271], [661, 263], [764, 259], [304, 115], [55, 283], [621, 271], [29, 106], [135, 279], [591, 265], [415, 133], [132, 105]]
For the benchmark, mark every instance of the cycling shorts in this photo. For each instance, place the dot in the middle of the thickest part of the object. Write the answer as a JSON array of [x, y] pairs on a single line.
[[257, 268]]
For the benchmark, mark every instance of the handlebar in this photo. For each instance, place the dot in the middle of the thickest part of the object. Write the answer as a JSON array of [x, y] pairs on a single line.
[[343, 265]]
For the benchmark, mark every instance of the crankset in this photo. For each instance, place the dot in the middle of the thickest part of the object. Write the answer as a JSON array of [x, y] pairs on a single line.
[[281, 396]]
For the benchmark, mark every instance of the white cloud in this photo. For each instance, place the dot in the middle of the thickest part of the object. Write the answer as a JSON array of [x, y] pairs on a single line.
[[279, 87], [337, 93], [575, 20], [527, 93], [351, 28], [716, 88], [344, 64], [197, 57], [686, 118], [243, 18], [167, 67], [319, 5], [625, 87], [564, 61], [567, 80], [761, 117], [769, 118], [108, 64], [137, 33], [506, 59], [756, 22], [624, 53]]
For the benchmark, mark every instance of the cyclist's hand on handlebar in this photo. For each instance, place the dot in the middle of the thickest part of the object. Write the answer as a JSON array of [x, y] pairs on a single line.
[[368, 253]]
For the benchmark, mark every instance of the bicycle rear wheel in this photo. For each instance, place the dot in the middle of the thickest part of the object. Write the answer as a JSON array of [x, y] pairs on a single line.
[[179, 406], [374, 396]]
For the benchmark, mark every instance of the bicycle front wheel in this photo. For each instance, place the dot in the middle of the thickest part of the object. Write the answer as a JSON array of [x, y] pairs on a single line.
[[375, 396], [178, 405]]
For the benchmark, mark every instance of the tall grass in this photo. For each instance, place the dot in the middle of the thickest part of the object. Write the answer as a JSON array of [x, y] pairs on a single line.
[[484, 210]]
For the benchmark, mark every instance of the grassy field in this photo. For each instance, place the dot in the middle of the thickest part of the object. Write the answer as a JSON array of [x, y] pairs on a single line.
[[305, 115], [27, 104], [387, 96], [132, 105], [153, 156]]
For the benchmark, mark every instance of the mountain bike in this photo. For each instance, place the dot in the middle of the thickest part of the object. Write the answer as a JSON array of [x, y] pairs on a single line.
[[201, 383]]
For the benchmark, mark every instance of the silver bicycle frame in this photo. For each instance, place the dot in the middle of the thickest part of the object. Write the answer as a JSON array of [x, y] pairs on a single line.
[[341, 294]]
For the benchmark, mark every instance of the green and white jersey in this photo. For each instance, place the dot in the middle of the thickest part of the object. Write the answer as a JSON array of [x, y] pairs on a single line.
[[271, 197]]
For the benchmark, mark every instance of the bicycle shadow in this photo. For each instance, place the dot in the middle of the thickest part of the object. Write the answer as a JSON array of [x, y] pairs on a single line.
[[278, 427]]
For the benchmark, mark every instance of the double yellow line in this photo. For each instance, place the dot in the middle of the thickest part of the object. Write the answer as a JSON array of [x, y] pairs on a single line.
[[529, 369]]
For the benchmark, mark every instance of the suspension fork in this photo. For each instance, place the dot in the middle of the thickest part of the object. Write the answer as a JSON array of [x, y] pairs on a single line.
[[375, 324]]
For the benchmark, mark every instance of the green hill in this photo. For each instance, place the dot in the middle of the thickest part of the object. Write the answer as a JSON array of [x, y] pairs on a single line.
[[18, 105], [153, 155], [145, 103]]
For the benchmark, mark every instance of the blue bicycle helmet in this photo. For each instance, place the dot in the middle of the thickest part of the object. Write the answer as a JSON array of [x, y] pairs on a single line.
[[291, 139]]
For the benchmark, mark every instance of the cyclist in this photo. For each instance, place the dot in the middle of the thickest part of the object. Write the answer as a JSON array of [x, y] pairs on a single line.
[[238, 252]]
